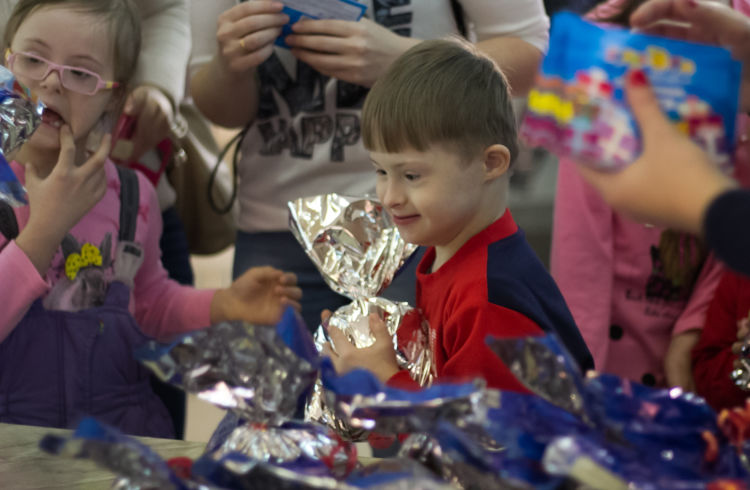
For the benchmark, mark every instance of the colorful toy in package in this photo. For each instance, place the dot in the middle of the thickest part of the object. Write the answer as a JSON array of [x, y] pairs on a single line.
[[578, 109]]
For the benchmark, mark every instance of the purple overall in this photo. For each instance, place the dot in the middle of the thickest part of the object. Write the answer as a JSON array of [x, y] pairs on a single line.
[[57, 367]]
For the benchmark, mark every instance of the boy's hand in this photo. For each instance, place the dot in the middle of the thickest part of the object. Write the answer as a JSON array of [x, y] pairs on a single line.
[[355, 52], [678, 365], [379, 358], [258, 296]]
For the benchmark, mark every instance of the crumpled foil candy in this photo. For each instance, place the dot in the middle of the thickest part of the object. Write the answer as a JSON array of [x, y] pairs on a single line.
[[290, 442], [247, 369], [358, 250], [20, 115]]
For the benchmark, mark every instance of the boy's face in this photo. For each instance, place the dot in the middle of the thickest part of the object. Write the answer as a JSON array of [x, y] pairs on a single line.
[[67, 37], [433, 196]]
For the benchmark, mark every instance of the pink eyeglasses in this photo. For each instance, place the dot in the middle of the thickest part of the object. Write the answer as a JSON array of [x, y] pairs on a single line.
[[72, 78]]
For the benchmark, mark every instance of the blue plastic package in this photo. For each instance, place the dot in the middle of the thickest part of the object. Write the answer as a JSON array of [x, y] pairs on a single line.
[[577, 109], [318, 9]]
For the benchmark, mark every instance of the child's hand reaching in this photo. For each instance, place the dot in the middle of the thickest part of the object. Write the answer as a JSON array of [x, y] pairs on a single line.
[[678, 360], [379, 358], [258, 296], [60, 197]]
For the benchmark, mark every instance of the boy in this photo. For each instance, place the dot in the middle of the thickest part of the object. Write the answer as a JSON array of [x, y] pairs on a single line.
[[441, 133]]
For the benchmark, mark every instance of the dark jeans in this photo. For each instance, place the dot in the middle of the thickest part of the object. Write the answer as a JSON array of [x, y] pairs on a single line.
[[175, 257]]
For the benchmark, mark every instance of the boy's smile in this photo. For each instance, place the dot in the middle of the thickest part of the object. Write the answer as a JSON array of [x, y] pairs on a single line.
[[434, 197]]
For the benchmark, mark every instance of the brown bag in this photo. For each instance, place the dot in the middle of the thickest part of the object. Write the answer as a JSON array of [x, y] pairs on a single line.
[[206, 204]]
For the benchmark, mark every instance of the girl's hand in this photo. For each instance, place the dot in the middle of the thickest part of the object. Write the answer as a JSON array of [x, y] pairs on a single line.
[[258, 296], [246, 33], [678, 365], [379, 358], [355, 52], [58, 200]]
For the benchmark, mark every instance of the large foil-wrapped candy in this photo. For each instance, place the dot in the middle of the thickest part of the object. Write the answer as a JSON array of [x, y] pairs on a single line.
[[358, 250], [20, 115], [263, 374]]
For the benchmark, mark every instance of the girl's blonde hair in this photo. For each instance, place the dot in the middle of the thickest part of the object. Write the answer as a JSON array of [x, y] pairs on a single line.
[[121, 17]]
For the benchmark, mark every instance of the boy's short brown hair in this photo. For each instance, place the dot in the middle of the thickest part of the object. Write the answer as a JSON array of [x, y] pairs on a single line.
[[122, 22], [440, 92]]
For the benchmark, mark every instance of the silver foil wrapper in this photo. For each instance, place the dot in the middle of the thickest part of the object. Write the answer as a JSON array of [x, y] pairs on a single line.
[[20, 115], [244, 368], [351, 240], [394, 417], [358, 250], [278, 445], [544, 370], [740, 375], [20, 112]]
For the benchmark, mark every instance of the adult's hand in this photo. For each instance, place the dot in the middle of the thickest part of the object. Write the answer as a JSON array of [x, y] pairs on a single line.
[[153, 114], [246, 33], [355, 52], [672, 182], [702, 21]]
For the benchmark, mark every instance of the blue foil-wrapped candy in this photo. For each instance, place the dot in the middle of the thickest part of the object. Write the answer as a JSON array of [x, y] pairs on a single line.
[[263, 374], [20, 115]]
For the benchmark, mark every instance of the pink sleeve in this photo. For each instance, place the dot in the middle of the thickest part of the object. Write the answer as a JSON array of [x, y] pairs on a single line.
[[582, 257], [19, 292], [163, 308], [693, 316]]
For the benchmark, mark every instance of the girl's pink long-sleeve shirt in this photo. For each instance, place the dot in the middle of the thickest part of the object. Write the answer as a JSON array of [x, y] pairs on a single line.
[[162, 307], [604, 265]]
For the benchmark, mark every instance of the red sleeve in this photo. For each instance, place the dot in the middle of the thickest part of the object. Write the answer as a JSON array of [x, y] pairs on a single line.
[[403, 381], [712, 356], [467, 355]]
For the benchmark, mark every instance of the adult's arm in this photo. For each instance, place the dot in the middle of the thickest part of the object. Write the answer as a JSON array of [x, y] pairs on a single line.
[[515, 34], [165, 46], [225, 89]]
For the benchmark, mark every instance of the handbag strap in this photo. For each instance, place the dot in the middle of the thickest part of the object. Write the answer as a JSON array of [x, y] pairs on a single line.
[[129, 203], [235, 142], [8, 222], [458, 15]]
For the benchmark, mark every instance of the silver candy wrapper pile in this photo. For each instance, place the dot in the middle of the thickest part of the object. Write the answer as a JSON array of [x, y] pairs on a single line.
[[20, 115], [250, 371], [246, 369], [358, 250]]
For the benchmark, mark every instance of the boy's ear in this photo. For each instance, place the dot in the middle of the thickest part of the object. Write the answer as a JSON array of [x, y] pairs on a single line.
[[496, 161]]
